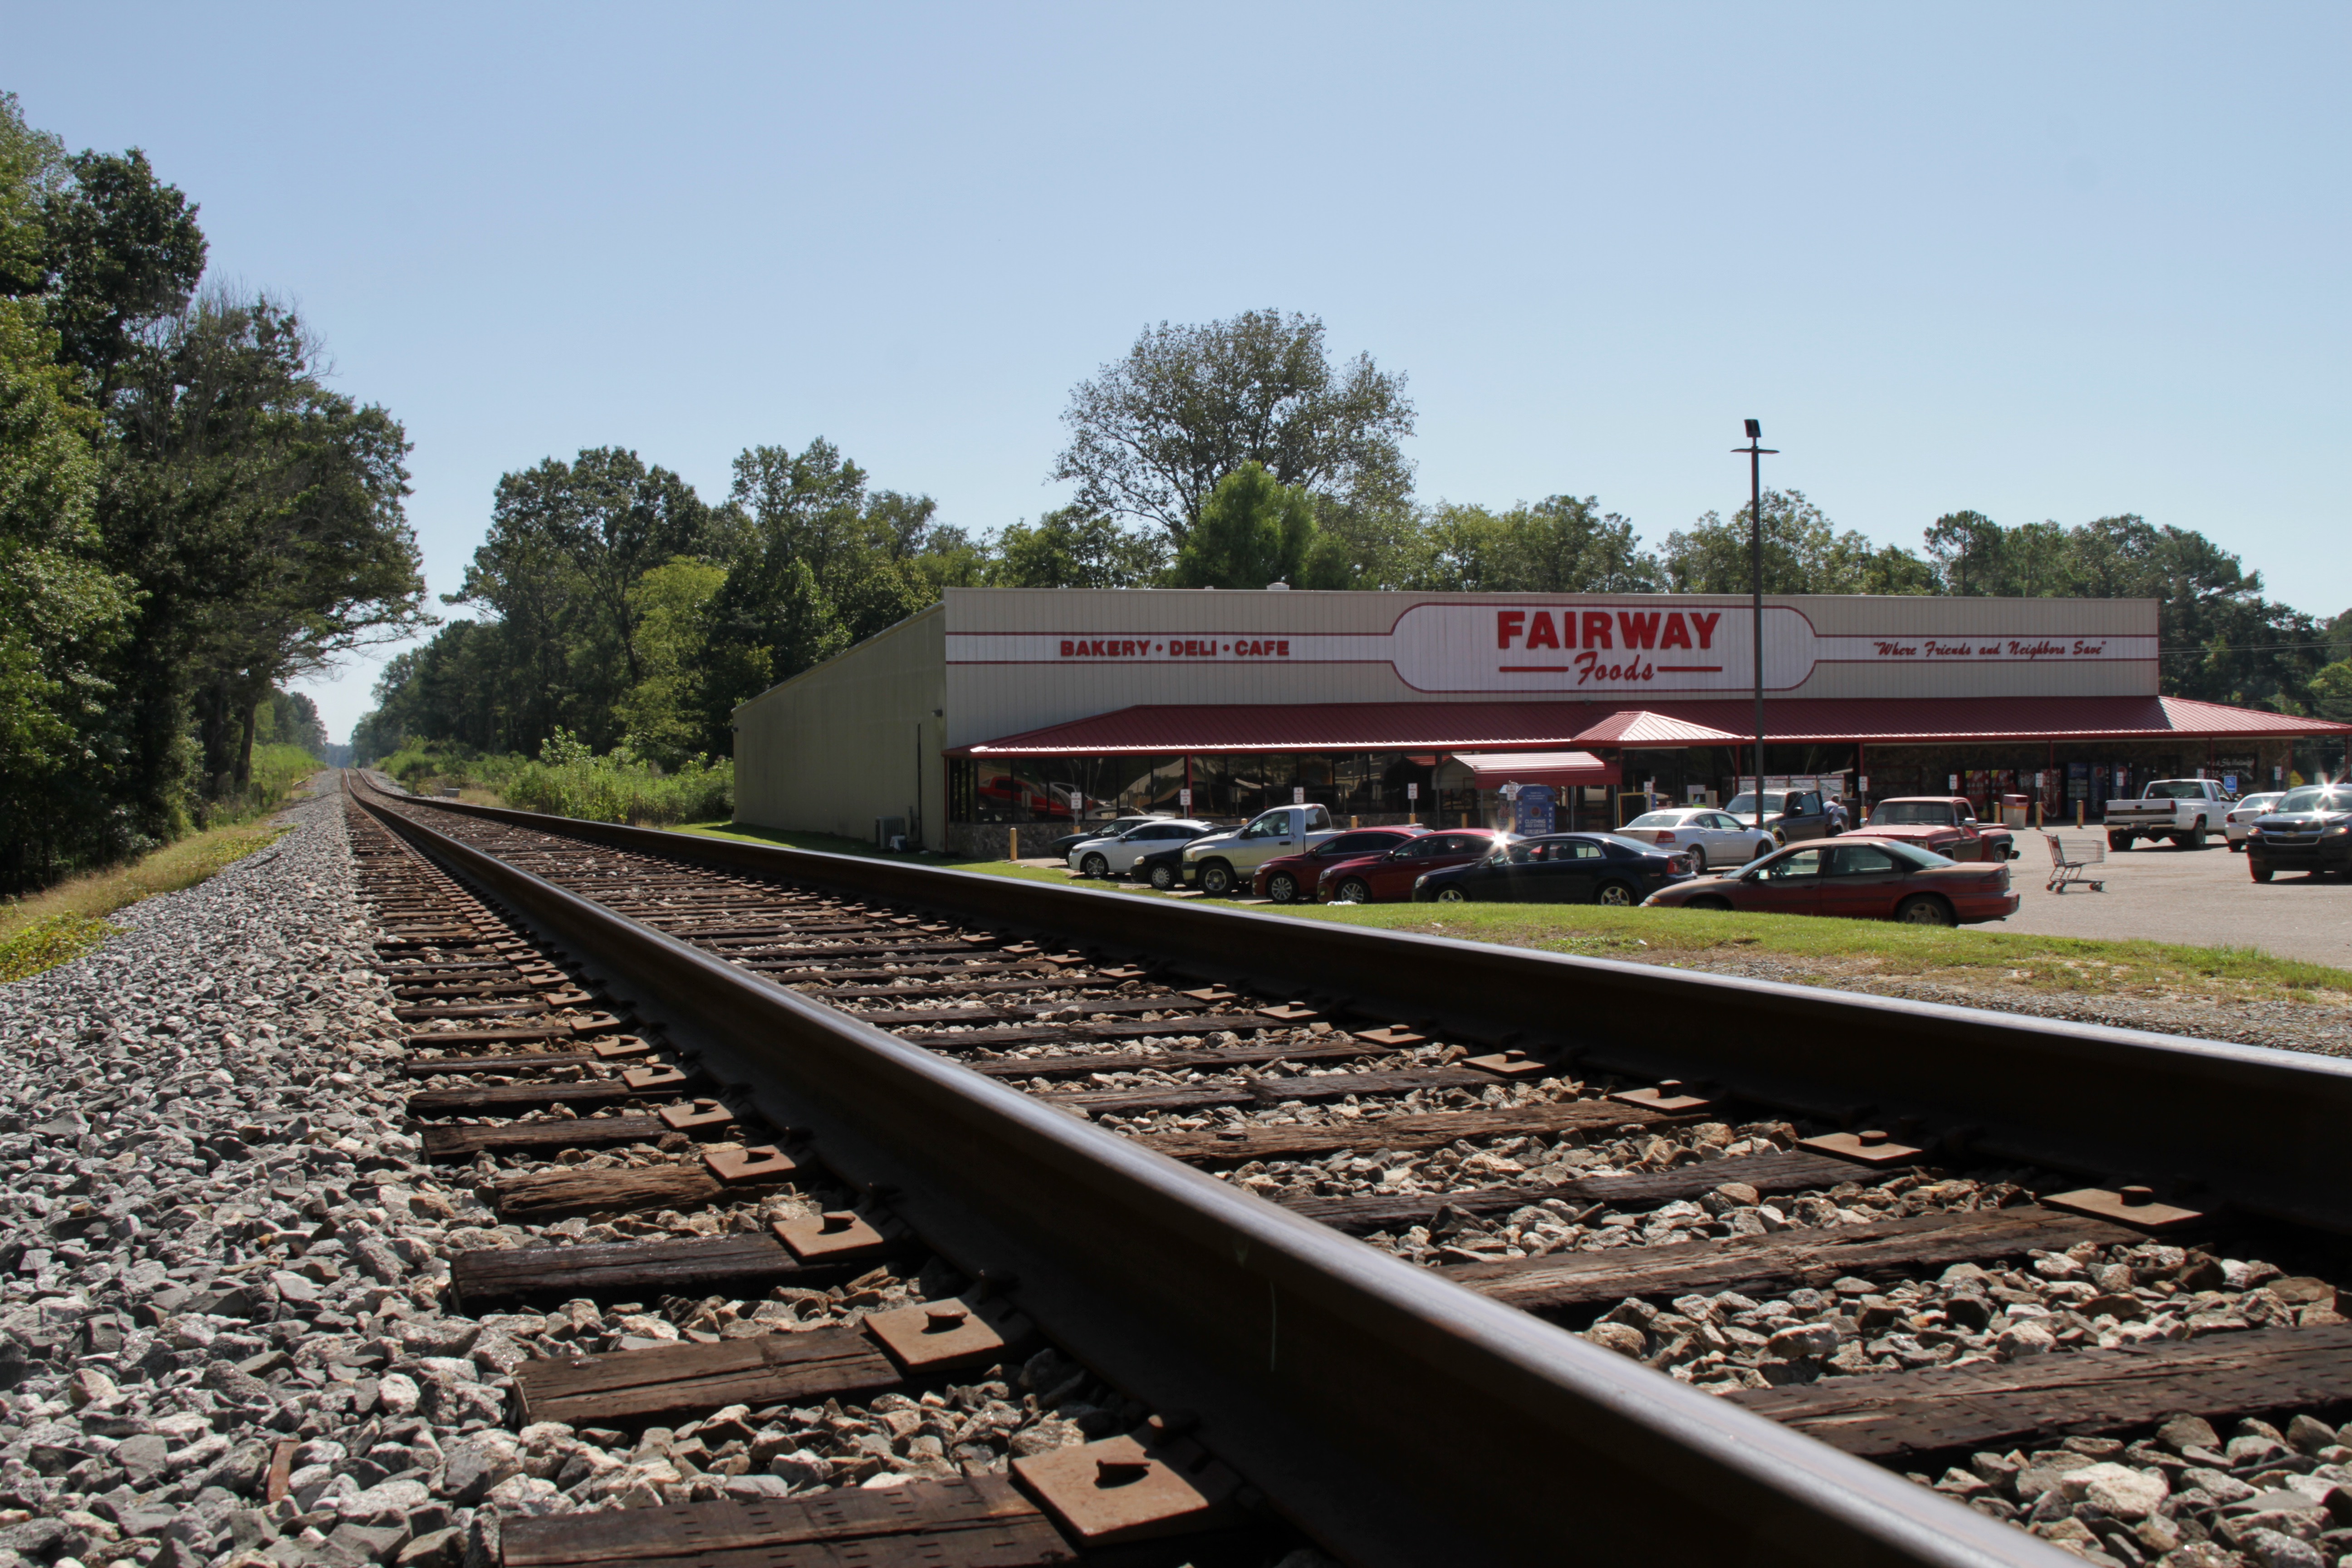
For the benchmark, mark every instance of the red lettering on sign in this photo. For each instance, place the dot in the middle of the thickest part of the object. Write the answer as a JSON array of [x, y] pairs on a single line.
[[1065, 648], [1706, 625], [1677, 634], [1641, 631], [1596, 629], [1507, 625], [1540, 633]]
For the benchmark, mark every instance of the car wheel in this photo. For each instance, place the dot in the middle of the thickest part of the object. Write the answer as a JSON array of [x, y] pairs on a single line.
[[2195, 839], [1094, 866], [1354, 890], [2262, 872], [1723, 905], [1216, 879], [1282, 887], [1616, 895], [2237, 846], [1163, 876], [1452, 895], [2118, 841], [1762, 849], [1698, 861], [1925, 910]]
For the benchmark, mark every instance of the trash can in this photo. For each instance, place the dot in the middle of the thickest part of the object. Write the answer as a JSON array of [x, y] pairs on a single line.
[[2014, 809]]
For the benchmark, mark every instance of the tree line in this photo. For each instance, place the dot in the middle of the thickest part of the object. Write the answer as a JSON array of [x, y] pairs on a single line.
[[189, 517], [616, 603]]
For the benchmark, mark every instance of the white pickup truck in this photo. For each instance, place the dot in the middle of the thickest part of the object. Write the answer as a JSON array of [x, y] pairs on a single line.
[[1219, 865], [2183, 810]]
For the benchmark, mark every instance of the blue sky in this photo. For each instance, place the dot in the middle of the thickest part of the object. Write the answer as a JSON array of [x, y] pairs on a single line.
[[2042, 261]]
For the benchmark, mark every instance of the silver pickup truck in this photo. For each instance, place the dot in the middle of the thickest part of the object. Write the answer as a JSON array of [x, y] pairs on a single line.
[[1218, 864], [2183, 810]]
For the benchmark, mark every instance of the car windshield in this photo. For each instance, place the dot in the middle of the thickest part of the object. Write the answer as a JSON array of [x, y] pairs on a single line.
[[1912, 813], [1661, 819], [1628, 846], [2317, 797], [1746, 803], [2258, 802], [2176, 789]]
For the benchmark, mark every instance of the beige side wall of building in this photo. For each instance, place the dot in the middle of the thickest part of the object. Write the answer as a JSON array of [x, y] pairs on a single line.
[[853, 739]]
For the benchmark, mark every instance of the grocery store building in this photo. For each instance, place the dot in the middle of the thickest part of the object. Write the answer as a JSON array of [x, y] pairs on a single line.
[[1004, 708]]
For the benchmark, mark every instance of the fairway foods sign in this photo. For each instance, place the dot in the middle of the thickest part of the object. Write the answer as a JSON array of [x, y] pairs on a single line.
[[1659, 644]]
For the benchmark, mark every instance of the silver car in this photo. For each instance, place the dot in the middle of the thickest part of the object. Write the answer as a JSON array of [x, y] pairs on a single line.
[[2241, 816], [1708, 835], [1116, 857]]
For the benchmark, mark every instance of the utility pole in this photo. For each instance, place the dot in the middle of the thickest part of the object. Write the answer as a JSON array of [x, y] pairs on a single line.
[[1757, 453]]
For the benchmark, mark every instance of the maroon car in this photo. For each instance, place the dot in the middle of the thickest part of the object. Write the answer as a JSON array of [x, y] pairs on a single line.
[[1946, 824], [1860, 877], [1378, 879], [1292, 879]]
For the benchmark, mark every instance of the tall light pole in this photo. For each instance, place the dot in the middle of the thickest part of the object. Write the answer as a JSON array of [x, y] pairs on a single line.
[[1757, 453]]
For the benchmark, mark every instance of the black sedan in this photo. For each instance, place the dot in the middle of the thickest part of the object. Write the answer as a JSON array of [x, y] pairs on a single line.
[[2310, 829], [1561, 869]]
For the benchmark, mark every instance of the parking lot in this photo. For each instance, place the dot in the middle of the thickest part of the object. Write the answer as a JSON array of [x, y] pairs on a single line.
[[2206, 899]]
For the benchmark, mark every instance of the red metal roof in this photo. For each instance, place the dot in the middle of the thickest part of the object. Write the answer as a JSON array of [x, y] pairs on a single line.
[[1173, 728], [1643, 726]]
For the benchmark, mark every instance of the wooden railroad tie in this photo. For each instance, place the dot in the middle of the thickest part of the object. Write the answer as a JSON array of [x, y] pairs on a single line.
[[981, 1522], [1894, 1415], [1784, 1259]]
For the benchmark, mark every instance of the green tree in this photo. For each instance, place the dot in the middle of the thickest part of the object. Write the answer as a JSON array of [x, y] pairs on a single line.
[[1803, 553], [568, 543], [1152, 435], [62, 613], [123, 250], [829, 564], [2331, 691], [1073, 548], [1255, 531], [1557, 545], [32, 165], [262, 515], [660, 715]]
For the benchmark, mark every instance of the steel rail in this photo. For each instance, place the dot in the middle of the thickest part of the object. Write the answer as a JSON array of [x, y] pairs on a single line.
[[1396, 1418], [2218, 1125]]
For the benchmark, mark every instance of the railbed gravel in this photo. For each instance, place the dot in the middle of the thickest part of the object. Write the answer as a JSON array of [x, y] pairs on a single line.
[[213, 1238]]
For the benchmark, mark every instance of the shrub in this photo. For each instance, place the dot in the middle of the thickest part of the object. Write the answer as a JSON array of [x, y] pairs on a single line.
[[569, 780]]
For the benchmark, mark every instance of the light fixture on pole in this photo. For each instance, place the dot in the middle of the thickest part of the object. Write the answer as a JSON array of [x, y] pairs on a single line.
[[1757, 452]]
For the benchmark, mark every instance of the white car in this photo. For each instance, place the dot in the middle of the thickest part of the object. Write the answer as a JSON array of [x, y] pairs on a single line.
[[1709, 836], [1116, 857], [2241, 816]]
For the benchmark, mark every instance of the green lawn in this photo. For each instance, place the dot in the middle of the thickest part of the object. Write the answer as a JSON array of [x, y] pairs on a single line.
[[1829, 950]]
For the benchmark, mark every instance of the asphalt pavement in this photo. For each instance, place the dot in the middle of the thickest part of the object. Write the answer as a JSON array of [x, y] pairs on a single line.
[[2204, 898]]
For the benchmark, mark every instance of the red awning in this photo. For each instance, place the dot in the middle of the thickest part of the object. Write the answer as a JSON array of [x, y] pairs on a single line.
[[1178, 728], [1493, 770]]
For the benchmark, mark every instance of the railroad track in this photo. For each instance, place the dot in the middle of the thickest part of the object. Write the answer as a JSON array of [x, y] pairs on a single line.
[[1816, 1209]]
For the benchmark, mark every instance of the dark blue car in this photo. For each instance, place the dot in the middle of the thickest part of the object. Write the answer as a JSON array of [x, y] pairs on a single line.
[[1559, 869]]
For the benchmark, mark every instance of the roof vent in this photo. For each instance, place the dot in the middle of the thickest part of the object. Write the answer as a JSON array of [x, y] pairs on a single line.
[[1278, 582]]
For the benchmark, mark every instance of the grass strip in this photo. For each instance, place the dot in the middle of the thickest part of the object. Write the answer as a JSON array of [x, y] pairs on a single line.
[[62, 923], [1835, 951]]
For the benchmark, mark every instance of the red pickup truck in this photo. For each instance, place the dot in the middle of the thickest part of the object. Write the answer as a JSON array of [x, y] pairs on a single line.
[[1946, 824]]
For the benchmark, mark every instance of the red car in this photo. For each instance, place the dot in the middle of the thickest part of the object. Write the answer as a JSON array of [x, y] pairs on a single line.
[[1378, 878], [1292, 879], [1858, 877], [1946, 824]]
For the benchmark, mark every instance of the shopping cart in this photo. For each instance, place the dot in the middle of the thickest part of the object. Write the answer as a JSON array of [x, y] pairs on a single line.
[[2069, 858]]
